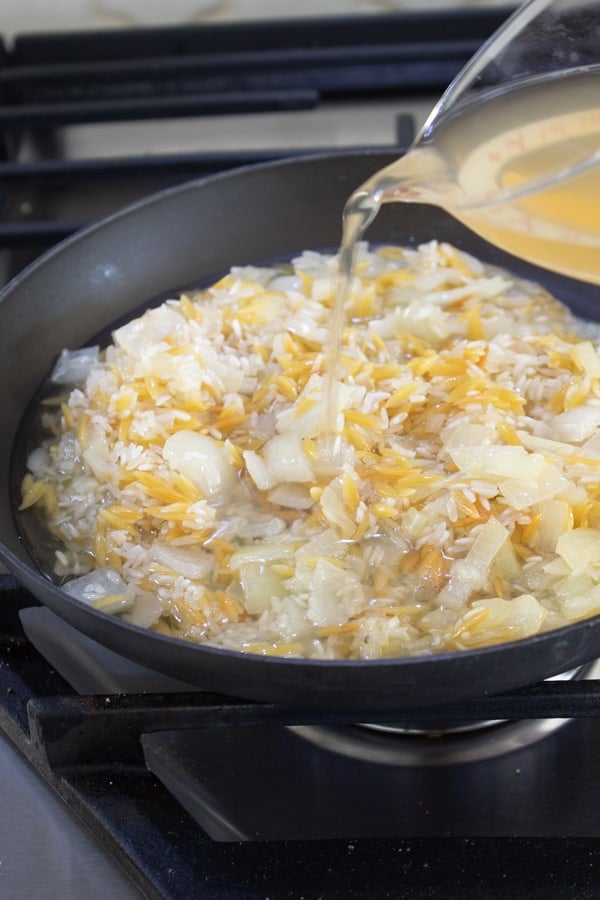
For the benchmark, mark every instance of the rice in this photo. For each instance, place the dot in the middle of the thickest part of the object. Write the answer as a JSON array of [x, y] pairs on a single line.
[[195, 488]]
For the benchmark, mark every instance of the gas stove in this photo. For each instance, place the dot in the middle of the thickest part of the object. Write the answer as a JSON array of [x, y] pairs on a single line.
[[185, 788], [128, 783]]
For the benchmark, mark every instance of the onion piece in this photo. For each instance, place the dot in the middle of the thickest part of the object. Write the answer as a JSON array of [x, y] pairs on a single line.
[[556, 518], [523, 478], [286, 460], [587, 356], [147, 610], [506, 564], [187, 561], [96, 455], [202, 460], [260, 584], [581, 606], [149, 329], [334, 508], [579, 548], [577, 424], [260, 553], [505, 620], [73, 366], [258, 471], [470, 573], [104, 589], [292, 496], [335, 594]]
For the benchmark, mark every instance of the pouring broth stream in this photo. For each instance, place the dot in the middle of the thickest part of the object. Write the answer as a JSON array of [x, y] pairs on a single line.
[[519, 165]]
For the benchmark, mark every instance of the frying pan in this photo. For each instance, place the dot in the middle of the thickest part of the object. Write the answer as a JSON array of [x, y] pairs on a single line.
[[192, 234]]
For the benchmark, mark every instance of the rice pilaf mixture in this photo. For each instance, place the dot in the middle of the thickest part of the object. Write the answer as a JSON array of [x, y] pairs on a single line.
[[453, 502]]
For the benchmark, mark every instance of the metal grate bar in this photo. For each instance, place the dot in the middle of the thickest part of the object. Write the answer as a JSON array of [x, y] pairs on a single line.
[[57, 171], [68, 113], [336, 31], [298, 57], [70, 729], [330, 70]]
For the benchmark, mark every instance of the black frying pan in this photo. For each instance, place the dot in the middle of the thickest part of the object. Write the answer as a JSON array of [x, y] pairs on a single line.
[[193, 234]]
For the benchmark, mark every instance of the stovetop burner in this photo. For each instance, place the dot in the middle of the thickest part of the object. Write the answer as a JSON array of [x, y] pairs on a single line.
[[273, 784], [454, 745], [441, 743]]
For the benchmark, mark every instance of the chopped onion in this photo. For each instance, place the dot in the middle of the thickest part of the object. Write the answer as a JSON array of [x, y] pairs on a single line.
[[587, 356], [103, 589], [313, 421], [96, 455], [147, 610], [260, 553], [472, 571], [520, 493], [579, 548], [556, 518], [304, 327], [257, 470], [187, 561], [264, 527], [506, 564], [523, 478], [592, 447], [581, 606], [202, 460], [260, 584], [335, 510], [545, 445], [286, 460], [324, 544], [293, 496], [557, 568], [577, 424], [506, 620], [461, 440], [149, 329], [336, 594], [575, 584], [73, 366], [491, 538]]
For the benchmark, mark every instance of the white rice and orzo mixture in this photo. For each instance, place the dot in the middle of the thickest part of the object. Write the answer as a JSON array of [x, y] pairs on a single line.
[[195, 488]]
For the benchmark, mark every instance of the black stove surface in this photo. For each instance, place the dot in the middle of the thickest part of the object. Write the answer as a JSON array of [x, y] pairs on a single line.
[[285, 818]]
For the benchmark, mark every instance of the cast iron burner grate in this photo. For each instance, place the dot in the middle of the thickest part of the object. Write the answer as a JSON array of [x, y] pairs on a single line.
[[88, 749], [168, 77]]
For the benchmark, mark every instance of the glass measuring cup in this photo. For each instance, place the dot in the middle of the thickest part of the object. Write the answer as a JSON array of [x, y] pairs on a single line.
[[512, 148]]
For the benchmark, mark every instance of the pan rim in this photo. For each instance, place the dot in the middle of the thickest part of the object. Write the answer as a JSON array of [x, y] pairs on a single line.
[[15, 564]]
